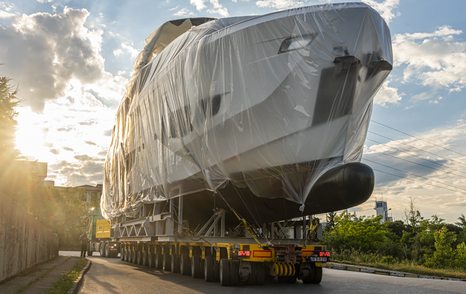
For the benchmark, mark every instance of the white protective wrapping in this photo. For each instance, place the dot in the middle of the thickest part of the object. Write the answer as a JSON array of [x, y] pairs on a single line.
[[246, 100]]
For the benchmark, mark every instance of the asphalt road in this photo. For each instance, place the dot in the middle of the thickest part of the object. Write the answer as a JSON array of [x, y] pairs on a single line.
[[114, 276]]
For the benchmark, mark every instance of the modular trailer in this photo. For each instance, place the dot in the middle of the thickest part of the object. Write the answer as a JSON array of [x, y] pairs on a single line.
[[160, 237]]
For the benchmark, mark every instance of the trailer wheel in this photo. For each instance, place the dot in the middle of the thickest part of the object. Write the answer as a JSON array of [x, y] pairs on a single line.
[[317, 278], [158, 258], [133, 254], [138, 256], [145, 259], [122, 252], [197, 270], [166, 260], [209, 270], [127, 253], [234, 272], [185, 264], [224, 272], [150, 256], [312, 275], [175, 263], [106, 254], [258, 273]]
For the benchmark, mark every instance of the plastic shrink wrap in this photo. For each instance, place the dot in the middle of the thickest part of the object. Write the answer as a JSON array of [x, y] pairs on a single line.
[[264, 115]]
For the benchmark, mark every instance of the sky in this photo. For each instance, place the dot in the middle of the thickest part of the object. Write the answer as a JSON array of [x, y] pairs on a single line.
[[72, 59]]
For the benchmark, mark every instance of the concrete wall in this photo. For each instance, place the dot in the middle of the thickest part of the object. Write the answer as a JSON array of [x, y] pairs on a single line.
[[24, 241]]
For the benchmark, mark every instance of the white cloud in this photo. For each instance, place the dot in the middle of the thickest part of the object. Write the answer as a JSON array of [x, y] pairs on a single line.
[[7, 10], [435, 59], [127, 48], [218, 8], [279, 4], [183, 12], [385, 8], [215, 7], [45, 51], [199, 4], [387, 95]]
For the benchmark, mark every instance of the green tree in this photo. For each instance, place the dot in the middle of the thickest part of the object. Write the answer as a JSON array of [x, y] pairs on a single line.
[[461, 221], [413, 216], [444, 253], [8, 101], [360, 234], [330, 217], [461, 256]]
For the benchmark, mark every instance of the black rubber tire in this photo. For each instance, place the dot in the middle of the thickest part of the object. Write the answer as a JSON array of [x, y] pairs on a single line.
[[197, 270], [234, 272], [175, 263], [314, 275], [167, 261], [158, 258], [185, 264], [317, 278], [106, 254], [127, 254], [145, 256], [224, 272], [122, 253], [216, 270], [138, 256], [258, 273], [132, 255], [209, 271], [150, 256]]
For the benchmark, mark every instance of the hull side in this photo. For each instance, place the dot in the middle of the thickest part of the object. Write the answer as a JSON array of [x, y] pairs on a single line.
[[277, 106]]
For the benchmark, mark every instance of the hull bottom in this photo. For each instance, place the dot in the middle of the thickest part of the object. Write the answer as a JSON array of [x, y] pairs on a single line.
[[342, 187]]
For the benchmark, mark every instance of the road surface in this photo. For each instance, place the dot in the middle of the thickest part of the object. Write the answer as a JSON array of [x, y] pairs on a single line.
[[110, 275]]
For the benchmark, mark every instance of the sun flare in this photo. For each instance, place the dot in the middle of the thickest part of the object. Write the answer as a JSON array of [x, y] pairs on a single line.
[[30, 136]]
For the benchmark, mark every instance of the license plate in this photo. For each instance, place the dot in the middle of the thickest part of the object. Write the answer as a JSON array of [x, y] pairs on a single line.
[[318, 258]]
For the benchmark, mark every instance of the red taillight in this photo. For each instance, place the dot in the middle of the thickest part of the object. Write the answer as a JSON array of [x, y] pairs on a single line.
[[324, 253], [244, 253]]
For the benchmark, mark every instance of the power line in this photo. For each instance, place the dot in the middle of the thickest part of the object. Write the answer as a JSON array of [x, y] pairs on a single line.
[[444, 186], [412, 136], [420, 164], [412, 146], [425, 184]]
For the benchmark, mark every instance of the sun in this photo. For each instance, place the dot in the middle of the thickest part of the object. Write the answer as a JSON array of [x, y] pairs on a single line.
[[30, 135]]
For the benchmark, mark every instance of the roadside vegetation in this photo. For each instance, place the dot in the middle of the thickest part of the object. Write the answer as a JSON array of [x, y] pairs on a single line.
[[68, 279], [418, 245]]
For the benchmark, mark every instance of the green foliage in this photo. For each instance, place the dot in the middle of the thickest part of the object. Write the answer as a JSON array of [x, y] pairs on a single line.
[[444, 253], [361, 234], [68, 279], [460, 261], [429, 242]]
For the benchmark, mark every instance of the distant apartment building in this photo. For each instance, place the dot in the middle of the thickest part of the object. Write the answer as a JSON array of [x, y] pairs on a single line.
[[88, 194], [35, 173], [33, 170], [381, 209]]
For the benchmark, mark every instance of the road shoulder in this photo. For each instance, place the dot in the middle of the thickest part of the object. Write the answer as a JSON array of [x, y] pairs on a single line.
[[378, 271]]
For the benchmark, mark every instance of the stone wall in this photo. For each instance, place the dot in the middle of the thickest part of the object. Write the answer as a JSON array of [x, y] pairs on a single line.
[[24, 241]]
